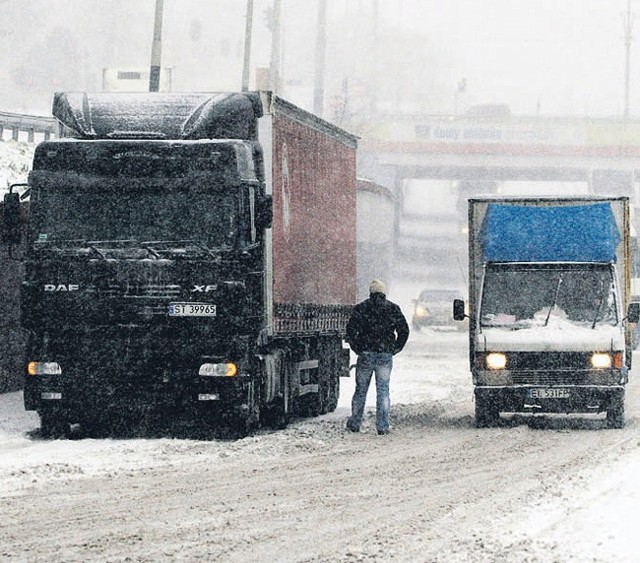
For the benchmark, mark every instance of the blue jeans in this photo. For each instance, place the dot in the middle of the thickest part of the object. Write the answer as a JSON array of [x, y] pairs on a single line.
[[369, 363]]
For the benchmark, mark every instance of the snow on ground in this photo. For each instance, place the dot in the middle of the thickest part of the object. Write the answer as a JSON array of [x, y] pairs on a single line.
[[536, 493]]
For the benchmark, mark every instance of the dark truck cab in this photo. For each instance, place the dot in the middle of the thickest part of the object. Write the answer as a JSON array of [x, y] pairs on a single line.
[[147, 290]]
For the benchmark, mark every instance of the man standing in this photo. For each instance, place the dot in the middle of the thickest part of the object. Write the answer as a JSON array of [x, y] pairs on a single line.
[[376, 331]]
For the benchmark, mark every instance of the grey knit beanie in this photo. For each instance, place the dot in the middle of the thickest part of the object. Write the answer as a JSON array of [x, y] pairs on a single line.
[[377, 287]]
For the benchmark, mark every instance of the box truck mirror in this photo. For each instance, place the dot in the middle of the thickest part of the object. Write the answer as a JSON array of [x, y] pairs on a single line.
[[11, 219], [458, 310], [633, 312]]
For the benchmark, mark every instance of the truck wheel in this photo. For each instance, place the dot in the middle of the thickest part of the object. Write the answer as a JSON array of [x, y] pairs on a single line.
[[277, 415], [615, 412], [487, 412], [53, 422], [277, 418], [255, 400], [334, 393]]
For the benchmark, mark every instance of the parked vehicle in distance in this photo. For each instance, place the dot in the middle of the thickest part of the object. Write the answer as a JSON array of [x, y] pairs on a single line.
[[433, 308]]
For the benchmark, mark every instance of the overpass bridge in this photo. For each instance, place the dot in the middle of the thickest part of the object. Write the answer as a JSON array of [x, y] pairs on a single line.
[[416, 155], [502, 148], [30, 126]]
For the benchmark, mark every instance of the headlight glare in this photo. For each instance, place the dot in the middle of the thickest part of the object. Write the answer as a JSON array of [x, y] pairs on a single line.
[[421, 311], [44, 368], [601, 360], [227, 369], [496, 360]]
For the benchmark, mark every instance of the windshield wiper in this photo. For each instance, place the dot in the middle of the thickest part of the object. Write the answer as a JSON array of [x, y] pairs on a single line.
[[174, 245], [555, 300]]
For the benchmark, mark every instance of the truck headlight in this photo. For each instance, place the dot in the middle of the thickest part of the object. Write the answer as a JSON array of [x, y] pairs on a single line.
[[601, 360], [44, 368], [496, 360], [227, 369]]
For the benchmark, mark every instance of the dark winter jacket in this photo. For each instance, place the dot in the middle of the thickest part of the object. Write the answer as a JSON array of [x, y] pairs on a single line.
[[377, 325]]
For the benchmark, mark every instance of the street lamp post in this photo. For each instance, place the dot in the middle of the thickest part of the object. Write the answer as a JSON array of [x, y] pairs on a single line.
[[628, 27], [156, 49]]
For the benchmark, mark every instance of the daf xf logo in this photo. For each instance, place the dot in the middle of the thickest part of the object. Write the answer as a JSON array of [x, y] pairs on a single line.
[[203, 288], [61, 287]]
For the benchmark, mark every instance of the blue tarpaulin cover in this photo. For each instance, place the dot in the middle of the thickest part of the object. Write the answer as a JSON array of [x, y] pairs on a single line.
[[572, 233]]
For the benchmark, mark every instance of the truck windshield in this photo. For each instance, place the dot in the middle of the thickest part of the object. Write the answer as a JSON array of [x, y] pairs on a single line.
[[209, 219], [524, 297]]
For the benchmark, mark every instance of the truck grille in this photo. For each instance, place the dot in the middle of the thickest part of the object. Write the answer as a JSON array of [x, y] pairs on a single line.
[[132, 291], [549, 368]]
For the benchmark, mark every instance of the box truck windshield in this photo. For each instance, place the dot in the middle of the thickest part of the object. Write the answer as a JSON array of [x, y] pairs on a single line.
[[522, 296]]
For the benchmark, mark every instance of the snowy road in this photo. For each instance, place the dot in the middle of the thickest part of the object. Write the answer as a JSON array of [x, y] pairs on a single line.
[[435, 489]]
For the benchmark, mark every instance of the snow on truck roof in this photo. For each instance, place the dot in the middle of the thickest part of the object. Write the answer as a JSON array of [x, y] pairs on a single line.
[[551, 200], [159, 115], [187, 116]]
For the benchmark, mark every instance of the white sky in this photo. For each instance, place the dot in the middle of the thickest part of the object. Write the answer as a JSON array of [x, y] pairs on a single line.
[[558, 57]]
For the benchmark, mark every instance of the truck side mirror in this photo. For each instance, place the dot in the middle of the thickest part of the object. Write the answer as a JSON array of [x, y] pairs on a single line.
[[458, 310], [11, 219], [633, 312], [265, 212]]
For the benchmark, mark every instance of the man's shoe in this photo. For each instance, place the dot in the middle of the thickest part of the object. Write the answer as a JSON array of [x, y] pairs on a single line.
[[352, 428], [382, 432]]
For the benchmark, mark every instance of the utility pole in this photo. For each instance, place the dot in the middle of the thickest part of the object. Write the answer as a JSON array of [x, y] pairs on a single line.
[[374, 60], [321, 43], [247, 46], [628, 28], [274, 75], [156, 49]]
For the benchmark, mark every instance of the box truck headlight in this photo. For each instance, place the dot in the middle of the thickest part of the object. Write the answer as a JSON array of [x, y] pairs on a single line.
[[228, 369], [496, 360], [601, 360], [44, 368]]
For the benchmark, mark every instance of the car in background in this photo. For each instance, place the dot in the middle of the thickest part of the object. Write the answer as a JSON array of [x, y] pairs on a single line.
[[433, 308]]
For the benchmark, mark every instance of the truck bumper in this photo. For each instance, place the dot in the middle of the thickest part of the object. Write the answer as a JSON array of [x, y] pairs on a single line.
[[90, 397], [556, 399], [135, 374]]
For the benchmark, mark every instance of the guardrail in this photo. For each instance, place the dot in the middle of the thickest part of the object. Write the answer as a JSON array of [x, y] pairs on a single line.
[[32, 125]]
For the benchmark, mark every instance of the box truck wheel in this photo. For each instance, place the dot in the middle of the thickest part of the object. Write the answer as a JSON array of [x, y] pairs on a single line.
[[487, 410], [615, 410]]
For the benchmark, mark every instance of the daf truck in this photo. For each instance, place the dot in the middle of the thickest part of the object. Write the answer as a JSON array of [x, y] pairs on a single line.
[[188, 257]]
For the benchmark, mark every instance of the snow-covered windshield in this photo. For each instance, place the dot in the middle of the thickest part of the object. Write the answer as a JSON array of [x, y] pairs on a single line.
[[209, 219], [519, 296]]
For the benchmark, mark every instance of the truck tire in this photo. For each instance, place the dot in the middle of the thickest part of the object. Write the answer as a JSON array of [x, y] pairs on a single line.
[[277, 417], [334, 392], [279, 412], [615, 411], [53, 422], [487, 411]]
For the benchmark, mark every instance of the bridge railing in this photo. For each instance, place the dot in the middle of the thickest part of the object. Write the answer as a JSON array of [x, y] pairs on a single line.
[[28, 127]]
